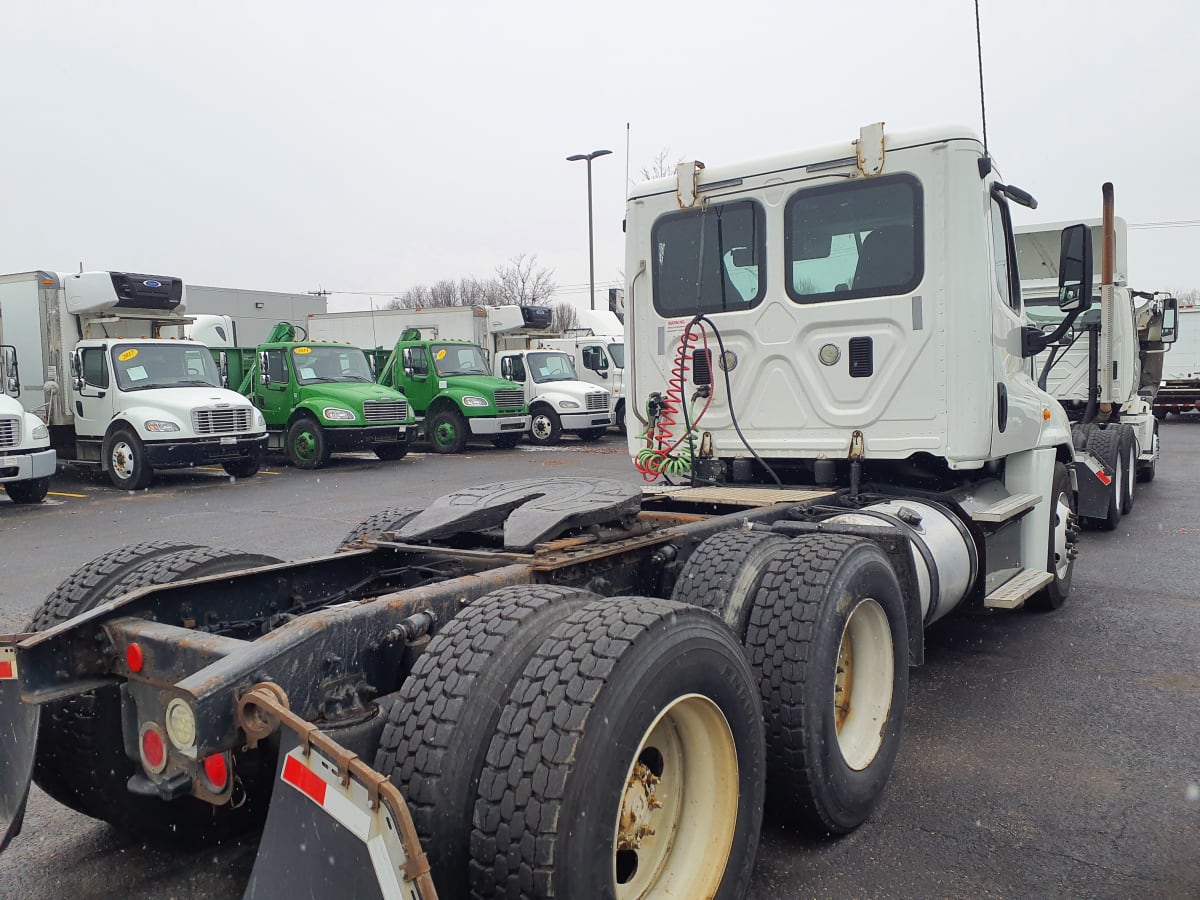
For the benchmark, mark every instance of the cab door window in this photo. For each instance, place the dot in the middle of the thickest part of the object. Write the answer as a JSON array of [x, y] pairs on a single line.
[[277, 369], [1004, 256], [95, 371]]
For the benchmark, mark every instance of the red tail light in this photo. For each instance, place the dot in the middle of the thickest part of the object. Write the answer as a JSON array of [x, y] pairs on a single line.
[[134, 658], [216, 769], [154, 748]]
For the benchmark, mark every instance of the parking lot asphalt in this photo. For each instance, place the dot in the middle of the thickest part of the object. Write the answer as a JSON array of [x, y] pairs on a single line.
[[1044, 755]]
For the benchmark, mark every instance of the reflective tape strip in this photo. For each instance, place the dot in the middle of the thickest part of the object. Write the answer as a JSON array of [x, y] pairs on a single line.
[[1097, 469], [8, 663], [317, 778]]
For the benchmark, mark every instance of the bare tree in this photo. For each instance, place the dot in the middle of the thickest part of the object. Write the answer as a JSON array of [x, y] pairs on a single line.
[[464, 292], [564, 317], [1189, 299], [524, 282], [660, 166]]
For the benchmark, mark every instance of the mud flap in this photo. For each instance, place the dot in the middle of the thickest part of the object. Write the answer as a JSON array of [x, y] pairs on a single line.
[[323, 839], [1094, 480], [18, 739]]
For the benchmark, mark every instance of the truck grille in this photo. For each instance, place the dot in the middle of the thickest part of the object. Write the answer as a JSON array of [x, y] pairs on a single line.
[[10, 431], [598, 400], [510, 399], [221, 421], [385, 410]]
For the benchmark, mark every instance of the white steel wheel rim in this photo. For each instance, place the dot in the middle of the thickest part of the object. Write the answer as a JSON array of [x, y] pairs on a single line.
[[122, 460], [541, 426], [863, 680], [678, 808], [1129, 469], [1062, 524], [1118, 481]]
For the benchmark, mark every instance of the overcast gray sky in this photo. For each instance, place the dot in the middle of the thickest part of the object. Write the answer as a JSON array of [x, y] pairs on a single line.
[[370, 146]]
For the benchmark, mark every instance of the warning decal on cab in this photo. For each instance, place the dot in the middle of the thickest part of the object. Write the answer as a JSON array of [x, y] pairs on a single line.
[[302, 350]]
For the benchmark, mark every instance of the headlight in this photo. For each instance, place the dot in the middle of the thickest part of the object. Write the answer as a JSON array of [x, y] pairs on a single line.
[[259, 421], [475, 401], [181, 725], [569, 404], [337, 414], [159, 426], [40, 432]]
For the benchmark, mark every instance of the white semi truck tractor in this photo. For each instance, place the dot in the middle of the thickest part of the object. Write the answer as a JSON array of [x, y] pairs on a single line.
[[1105, 369], [832, 366], [103, 355]]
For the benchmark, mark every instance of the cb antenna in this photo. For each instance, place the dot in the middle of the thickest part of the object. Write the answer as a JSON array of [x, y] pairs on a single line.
[[982, 105]]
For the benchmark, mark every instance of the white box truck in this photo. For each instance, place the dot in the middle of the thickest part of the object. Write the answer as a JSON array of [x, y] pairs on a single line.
[[104, 356], [558, 400]]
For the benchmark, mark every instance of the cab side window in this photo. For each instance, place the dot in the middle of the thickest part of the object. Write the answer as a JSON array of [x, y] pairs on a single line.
[[415, 363], [95, 372], [594, 358], [277, 367], [512, 368], [1002, 252]]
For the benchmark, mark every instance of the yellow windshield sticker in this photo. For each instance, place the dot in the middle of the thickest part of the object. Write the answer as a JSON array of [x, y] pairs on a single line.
[[441, 354], [128, 355], [302, 350]]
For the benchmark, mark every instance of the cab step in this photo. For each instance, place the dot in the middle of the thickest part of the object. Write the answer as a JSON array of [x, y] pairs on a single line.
[[1014, 592], [1008, 508]]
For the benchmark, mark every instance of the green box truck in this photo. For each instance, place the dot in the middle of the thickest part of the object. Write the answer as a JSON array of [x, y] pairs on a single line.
[[449, 385], [318, 398]]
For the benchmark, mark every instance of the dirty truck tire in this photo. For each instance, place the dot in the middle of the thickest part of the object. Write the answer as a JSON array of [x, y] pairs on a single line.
[[1105, 443], [128, 468], [242, 468], [545, 427], [1064, 531], [1128, 447], [445, 714], [374, 525], [447, 431], [1146, 471], [630, 705], [829, 621], [81, 753], [723, 574], [507, 441], [32, 491], [390, 452], [307, 447]]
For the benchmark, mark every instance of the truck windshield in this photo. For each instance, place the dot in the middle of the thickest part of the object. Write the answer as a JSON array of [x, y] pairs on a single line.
[[1043, 311], [140, 367], [458, 359], [325, 365], [617, 352], [551, 367]]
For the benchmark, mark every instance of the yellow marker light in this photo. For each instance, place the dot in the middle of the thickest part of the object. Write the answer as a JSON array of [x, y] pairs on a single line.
[[1046, 414]]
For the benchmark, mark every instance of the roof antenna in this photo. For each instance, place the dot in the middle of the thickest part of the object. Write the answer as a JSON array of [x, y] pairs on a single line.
[[985, 164]]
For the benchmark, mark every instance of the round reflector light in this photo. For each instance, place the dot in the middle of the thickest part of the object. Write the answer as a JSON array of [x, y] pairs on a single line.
[[217, 771], [154, 751], [134, 658], [181, 725]]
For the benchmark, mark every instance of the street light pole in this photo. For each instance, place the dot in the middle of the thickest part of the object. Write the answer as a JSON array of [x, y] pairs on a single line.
[[591, 253]]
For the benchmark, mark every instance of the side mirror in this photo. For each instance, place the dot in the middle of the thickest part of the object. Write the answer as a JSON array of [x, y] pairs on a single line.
[[1075, 269], [12, 378], [77, 370], [262, 369], [1170, 320]]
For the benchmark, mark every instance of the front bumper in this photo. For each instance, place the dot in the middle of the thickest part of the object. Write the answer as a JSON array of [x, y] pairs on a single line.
[[25, 466], [580, 421], [201, 451], [366, 436], [499, 424]]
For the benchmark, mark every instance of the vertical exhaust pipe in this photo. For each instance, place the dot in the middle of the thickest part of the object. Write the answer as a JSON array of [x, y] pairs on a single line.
[[1107, 303]]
